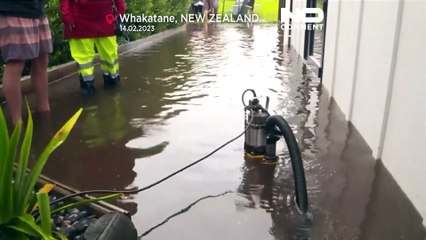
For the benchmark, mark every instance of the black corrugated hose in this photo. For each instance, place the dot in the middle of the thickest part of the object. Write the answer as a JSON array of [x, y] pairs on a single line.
[[295, 156], [271, 123]]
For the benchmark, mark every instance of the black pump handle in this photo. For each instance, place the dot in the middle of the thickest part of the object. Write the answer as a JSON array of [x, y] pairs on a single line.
[[244, 93]]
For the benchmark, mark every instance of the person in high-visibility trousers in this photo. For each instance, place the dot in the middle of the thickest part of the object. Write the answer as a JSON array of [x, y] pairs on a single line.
[[89, 24]]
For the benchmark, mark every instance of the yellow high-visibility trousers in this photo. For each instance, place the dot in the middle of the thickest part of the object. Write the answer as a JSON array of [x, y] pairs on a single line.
[[83, 52]]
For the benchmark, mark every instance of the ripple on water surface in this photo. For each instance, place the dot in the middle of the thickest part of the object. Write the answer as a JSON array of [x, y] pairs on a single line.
[[181, 99]]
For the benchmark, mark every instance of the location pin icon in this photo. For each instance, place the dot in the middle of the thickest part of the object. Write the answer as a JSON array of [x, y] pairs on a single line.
[[109, 18]]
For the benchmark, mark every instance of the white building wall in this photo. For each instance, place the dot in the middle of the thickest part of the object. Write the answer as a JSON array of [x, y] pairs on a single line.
[[377, 75], [345, 57], [373, 69], [403, 149], [331, 49], [297, 37]]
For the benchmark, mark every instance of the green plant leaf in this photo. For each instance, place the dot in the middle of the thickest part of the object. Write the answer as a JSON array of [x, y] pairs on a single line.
[[60, 235], [45, 189], [27, 225], [4, 146], [22, 164], [4, 140], [12, 234], [4, 134], [44, 207], [32, 202], [17, 190], [23, 229], [85, 201], [6, 196], [56, 141]]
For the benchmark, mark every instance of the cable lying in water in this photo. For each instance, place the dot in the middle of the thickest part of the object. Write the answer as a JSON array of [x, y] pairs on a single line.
[[181, 212], [129, 192]]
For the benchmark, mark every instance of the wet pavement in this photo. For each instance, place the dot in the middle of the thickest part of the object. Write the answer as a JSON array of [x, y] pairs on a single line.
[[179, 100]]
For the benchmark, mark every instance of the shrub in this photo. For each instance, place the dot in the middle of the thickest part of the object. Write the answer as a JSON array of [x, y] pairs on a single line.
[[61, 52], [18, 199]]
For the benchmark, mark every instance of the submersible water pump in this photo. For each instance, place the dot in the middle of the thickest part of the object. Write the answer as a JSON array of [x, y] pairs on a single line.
[[255, 121], [259, 143], [261, 135]]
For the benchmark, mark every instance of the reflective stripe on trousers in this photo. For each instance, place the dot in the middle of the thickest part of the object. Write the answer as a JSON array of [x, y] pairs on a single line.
[[83, 52]]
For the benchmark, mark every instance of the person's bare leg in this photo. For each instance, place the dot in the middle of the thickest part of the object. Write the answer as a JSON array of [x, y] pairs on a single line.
[[40, 82], [206, 16], [250, 14], [12, 88]]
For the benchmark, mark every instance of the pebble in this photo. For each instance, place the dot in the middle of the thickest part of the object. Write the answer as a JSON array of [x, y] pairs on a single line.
[[74, 211], [57, 220], [79, 237], [72, 222], [72, 217]]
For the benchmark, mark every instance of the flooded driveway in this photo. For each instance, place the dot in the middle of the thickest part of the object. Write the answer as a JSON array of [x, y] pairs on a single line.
[[179, 100]]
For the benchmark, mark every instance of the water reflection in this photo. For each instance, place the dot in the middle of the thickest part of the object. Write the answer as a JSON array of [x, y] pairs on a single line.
[[318, 44], [94, 124], [260, 189], [256, 185], [179, 100]]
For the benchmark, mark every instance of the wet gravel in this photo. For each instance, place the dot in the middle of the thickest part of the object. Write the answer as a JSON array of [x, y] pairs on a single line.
[[72, 222]]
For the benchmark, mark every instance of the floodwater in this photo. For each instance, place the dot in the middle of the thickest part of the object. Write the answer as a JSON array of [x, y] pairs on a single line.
[[179, 100]]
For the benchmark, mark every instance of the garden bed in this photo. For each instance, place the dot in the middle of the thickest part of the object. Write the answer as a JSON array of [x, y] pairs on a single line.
[[73, 222]]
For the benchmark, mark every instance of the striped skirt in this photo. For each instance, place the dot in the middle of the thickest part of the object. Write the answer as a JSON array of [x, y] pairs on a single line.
[[210, 5], [24, 38]]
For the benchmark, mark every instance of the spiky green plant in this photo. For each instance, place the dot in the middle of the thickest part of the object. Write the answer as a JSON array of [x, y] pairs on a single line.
[[17, 195]]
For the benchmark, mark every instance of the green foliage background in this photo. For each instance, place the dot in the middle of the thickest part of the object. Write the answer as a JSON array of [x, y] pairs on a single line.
[[61, 52]]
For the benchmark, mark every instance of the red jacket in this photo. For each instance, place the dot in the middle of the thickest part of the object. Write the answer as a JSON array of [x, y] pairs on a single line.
[[87, 18]]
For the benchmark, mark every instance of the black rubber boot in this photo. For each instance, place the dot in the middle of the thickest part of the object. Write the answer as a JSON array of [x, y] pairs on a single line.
[[87, 87], [110, 82]]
